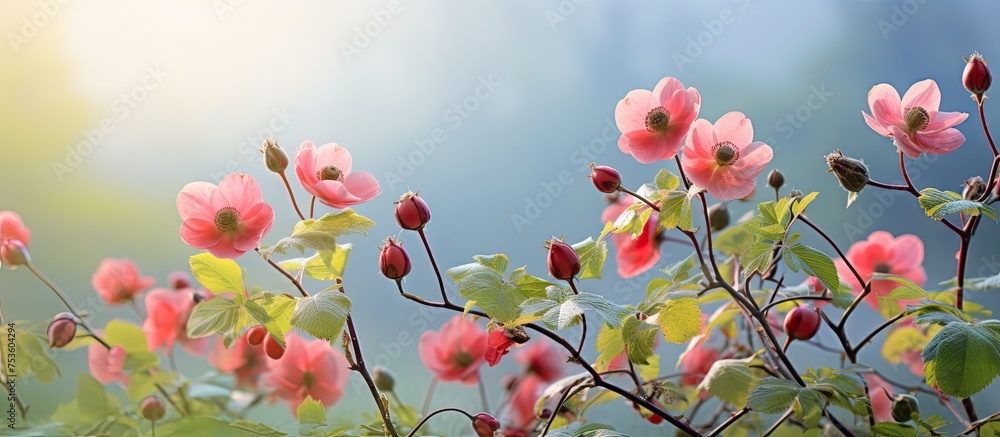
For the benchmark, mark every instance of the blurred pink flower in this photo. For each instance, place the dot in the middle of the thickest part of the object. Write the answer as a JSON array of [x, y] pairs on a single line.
[[118, 280], [106, 365], [326, 173], [244, 361], [882, 253], [696, 361], [523, 399], [542, 359], [653, 124], [307, 369], [633, 256], [914, 123], [455, 352], [881, 405], [497, 345], [12, 232], [723, 158], [227, 220], [167, 313]]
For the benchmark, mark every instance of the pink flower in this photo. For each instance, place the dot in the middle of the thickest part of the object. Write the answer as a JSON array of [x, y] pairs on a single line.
[[523, 399], [696, 361], [881, 253], [914, 360], [167, 313], [228, 220], [497, 345], [118, 280], [106, 365], [724, 158], [455, 352], [654, 124], [633, 256], [881, 404], [326, 174], [12, 232], [914, 124], [307, 369], [244, 361], [542, 359]]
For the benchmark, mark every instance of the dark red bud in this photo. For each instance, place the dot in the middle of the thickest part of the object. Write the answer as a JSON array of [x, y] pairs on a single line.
[[563, 262], [272, 348], [802, 322], [393, 261], [179, 280], [256, 334], [152, 409], [606, 179], [977, 77], [485, 424], [62, 330], [412, 212]]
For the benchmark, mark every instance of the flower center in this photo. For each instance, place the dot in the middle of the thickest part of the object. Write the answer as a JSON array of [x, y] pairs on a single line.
[[330, 173], [308, 380], [657, 120], [463, 359], [883, 267], [917, 118], [227, 219], [725, 153]]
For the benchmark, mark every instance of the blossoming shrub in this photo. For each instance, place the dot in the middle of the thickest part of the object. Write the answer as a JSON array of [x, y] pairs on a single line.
[[732, 301]]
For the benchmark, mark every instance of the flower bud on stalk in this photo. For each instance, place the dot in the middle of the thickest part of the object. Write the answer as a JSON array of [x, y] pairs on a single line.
[[179, 280], [255, 335], [851, 173], [802, 322], [903, 407], [775, 179], [977, 77], [563, 262], [485, 424], [62, 330], [152, 409], [272, 348], [974, 188], [275, 158], [384, 379], [412, 212], [718, 216], [393, 261], [606, 179]]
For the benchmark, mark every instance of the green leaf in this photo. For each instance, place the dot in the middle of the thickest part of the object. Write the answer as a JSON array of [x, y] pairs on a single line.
[[311, 411], [216, 274], [639, 338], [733, 240], [142, 384], [281, 308], [611, 313], [815, 263], [633, 220], [592, 255], [323, 314], [321, 234], [800, 205], [773, 395], [258, 429], [259, 314], [31, 358], [325, 265], [680, 319], [758, 256], [201, 426], [937, 204], [893, 429], [963, 358], [610, 344], [92, 398], [483, 282], [665, 180], [138, 361], [730, 380], [675, 211], [124, 334], [936, 313], [214, 316]]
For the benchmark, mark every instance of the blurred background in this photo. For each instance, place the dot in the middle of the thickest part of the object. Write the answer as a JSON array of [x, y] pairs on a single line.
[[491, 110]]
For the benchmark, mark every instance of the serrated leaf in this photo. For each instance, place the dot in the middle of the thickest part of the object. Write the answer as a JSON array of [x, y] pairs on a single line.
[[483, 282], [772, 395], [611, 313], [675, 211], [325, 265], [260, 315], [893, 429], [757, 256], [730, 380], [813, 262], [963, 358], [592, 256], [633, 220], [310, 411], [214, 316], [733, 240], [680, 320], [258, 429], [321, 234], [639, 338], [610, 344], [216, 274], [936, 313], [665, 180], [937, 204], [323, 314]]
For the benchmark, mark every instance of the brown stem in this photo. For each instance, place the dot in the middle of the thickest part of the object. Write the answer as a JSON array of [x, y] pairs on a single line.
[[360, 367], [986, 129], [427, 246], [731, 420], [292, 196], [436, 412], [888, 323], [284, 273], [637, 196]]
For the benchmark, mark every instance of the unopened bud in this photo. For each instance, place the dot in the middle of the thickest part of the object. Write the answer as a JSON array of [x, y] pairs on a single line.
[[393, 260], [775, 179], [974, 188], [851, 173], [14, 253], [385, 380], [272, 348], [903, 407], [256, 335], [485, 424], [152, 409], [802, 322], [977, 77], [795, 194], [275, 158], [412, 212], [718, 216], [606, 179], [61, 330], [517, 334], [563, 262], [179, 280]]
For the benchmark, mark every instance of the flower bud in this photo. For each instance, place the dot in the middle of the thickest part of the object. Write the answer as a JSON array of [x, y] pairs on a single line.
[[802, 322], [385, 380], [516, 334], [275, 158], [152, 409], [606, 179], [412, 212], [974, 188], [272, 348], [795, 194], [718, 216], [393, 261], [61, 330], [775, 179], [903, 407], [851, 173], [485, 424], [563, 262], [977, 77], [14, 253], [179, 280], [255, 335]]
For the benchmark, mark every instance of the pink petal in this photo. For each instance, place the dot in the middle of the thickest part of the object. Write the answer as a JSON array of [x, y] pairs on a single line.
[[240, 191], [945, 120], [630, 113], [194, 201], [907, 252], [701, 139], [334, 194], [735, 128], [875, 125], [362, 185], [682, 110], [305, 166], [880, 238], [200, 234], [254, 224], [666, 88], [753, 159], [940, 142], [884, 102], [724, 186], [642, 145], [427, 350], [904, 143], [924, 94], [225, 249], [333, 154]]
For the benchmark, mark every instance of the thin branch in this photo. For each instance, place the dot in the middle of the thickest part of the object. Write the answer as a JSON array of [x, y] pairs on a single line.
[[284, 273], [427, 246]]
